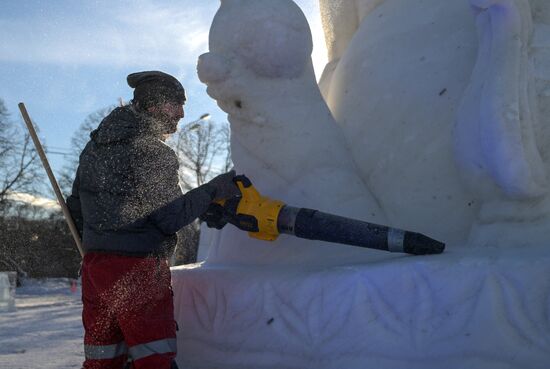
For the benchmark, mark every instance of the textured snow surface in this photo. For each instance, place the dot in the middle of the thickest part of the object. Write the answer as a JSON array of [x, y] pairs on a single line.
[[431, 116], [283, 136], [495, 132], [478, 308], [434, 117], [46, 330]]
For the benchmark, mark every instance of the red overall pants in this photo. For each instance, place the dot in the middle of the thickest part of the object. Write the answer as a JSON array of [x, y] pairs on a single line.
[[128, 312]]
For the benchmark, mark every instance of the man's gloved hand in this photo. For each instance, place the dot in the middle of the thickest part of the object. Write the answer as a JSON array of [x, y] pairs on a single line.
[[224, 186], [214, 216]]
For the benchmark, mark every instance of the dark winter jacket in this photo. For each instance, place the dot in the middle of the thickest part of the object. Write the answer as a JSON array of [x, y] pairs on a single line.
[[126, 198]]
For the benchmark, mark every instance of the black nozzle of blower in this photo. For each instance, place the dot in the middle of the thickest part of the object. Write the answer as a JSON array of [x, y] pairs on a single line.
[[418, 244], [316, 225]]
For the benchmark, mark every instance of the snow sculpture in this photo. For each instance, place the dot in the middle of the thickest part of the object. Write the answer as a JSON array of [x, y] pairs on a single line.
[[501, 136], [392, 92], [466, 143], [263, 78], [495, 131], [430, 116]]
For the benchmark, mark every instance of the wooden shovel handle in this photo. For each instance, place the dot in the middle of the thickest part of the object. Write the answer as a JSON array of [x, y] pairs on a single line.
[[53, 181]]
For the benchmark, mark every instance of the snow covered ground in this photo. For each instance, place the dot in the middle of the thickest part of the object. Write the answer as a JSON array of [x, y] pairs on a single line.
[[46, 330]]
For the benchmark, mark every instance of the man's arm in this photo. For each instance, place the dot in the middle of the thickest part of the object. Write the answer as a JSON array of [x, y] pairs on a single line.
[[161, 195], [159, 192], [183, 210]]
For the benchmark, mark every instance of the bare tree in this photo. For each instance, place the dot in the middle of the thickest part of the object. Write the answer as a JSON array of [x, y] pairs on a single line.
[[20, 175], [19, 162], [203, 149], [225, 136]]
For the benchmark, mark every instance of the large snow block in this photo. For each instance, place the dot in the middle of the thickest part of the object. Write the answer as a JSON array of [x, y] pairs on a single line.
[[473, 308], [7, 291]]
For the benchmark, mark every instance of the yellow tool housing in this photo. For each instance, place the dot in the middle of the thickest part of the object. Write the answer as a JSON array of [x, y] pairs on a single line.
[[265, 210]]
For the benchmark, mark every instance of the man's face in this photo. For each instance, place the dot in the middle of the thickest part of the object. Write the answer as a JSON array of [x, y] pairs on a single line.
[[169, 113]]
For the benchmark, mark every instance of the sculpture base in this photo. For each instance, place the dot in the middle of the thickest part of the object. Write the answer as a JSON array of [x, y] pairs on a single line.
[[479, 308]]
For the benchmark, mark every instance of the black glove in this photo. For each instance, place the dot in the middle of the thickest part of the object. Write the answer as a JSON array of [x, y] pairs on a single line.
[[224, 187], [214, 216]]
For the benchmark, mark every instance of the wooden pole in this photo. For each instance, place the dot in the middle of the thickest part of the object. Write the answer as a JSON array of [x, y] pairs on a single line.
[[53, 181]]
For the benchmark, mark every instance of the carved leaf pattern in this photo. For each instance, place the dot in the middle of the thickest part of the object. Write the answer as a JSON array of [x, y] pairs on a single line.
[[418, 307], [210, 306], [528, 321]]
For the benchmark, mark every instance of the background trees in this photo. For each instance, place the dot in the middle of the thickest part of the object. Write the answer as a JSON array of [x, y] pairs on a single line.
[[203, 148], [35, 241], [19, 162], [204, 151]]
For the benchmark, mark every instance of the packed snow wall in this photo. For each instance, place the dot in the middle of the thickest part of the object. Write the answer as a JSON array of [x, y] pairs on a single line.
[[430, 116]]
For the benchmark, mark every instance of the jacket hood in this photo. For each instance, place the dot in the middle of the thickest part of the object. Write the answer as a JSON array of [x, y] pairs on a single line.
[[124, 123]]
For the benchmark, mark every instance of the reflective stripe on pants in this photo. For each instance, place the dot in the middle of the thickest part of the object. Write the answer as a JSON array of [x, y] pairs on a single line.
[[93, 352], [157, 347], [137, 352]]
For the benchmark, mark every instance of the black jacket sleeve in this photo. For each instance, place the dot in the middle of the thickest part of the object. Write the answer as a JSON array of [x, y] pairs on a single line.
[[183, 210], [73, 203], [169, 208]]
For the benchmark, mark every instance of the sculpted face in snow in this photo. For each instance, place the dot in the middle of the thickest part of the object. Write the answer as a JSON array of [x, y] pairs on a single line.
[[431, 116]]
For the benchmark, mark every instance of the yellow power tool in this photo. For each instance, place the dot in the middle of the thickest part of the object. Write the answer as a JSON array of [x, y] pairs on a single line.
[[265, 219]]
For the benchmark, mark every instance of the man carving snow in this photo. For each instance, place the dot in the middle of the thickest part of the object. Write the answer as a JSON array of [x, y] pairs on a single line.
[[128, 206]]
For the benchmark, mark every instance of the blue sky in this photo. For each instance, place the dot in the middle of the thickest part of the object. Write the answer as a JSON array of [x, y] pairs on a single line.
[[66, 59]]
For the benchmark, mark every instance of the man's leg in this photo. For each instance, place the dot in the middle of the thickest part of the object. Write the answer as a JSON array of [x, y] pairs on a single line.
[[148, 323], [104, 346]]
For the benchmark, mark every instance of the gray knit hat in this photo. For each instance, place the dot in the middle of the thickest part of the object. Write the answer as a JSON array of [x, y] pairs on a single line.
[[154, 87]]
